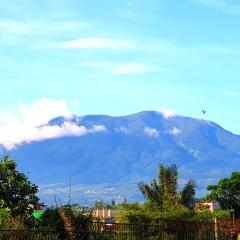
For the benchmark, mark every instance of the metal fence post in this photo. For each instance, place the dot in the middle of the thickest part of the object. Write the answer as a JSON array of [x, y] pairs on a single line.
[[216, 228]]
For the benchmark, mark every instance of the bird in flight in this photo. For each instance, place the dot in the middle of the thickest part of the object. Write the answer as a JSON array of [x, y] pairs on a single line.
[[204, 111]]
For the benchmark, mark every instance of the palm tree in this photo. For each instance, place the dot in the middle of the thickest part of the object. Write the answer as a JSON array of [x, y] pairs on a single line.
[[164, 191]]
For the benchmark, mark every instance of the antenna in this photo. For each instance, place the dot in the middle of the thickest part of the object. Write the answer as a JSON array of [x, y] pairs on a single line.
[[70, 191], [55, 200]]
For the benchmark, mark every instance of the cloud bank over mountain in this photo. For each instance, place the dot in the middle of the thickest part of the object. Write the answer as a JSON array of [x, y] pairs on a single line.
[[30, 123]]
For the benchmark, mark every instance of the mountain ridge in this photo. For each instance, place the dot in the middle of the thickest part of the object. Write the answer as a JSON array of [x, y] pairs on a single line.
[[124, 149]]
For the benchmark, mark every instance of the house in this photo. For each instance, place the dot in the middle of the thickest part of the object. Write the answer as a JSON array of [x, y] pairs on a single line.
[[37, 207], [107, 215], [207, 205]]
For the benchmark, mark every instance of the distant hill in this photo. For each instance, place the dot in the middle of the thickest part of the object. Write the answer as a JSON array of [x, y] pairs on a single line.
[[127, 150]]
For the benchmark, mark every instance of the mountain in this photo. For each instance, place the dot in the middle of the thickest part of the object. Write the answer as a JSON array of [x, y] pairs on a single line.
[[108, 156]]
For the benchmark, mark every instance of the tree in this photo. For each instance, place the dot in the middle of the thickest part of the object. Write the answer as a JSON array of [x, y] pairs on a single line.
[[4, 216], [99, 204], [164, 191], [187, 195], [227, 193], [113, 203], [169, 179], [16, 191], [51, 220]]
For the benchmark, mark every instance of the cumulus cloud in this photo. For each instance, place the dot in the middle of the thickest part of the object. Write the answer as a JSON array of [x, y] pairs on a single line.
[[151, 132], [122, 130], [211, 3], [97, 128], [167, 113], [231, 93], [224, 5], [175, 131], [30, 124], [95, 64], [21, 32], [75, 102], [38, 26], [97, 43], [43, 110], [133, 68]]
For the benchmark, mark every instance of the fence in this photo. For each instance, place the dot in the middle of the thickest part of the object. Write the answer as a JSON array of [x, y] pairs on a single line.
[[30, 235], [229, 223], [165, 230]]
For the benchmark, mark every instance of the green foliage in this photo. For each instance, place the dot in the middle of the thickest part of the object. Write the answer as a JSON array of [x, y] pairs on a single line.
[[100, 204], [227, 193], [51, 220], [209, 216], [4, 217], [178, 212], [219, 213], [16, 191], [163, 200], [78, 209], [204, 216], [164, 191], [187, 195], [151, 213], [113, 203], [136, 213], [203, 207]]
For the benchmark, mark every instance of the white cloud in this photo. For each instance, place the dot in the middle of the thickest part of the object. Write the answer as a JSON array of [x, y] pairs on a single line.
[[22, 32], [231, 93], [228, 92], [121, 69], [75, 102], [211, 3], [97, 128], [31, 125], [122, 130], [133, 68], [97, 43], [167, 113], [43, 110], [24, 27], [14, 26], [95, 64], [175, 131], [151, 132], [224, 5]]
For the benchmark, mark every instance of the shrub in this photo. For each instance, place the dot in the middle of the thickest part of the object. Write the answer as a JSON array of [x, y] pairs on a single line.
[[4, 217]]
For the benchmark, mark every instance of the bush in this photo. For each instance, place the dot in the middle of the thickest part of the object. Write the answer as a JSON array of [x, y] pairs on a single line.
[[219, 213], [178, 212], [209, 216], [151, 213], [4, 217], [51, 220]]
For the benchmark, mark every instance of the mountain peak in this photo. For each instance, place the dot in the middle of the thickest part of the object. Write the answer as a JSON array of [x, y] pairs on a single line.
[[121, 150]]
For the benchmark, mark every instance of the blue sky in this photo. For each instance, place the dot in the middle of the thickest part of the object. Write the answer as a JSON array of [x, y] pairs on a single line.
[[124, 56]]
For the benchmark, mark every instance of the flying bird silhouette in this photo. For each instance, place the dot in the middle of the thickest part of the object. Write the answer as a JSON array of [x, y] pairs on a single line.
[[204, 111]]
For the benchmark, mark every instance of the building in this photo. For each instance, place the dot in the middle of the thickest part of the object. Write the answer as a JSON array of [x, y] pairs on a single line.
[[207, 205], [107, 215]]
